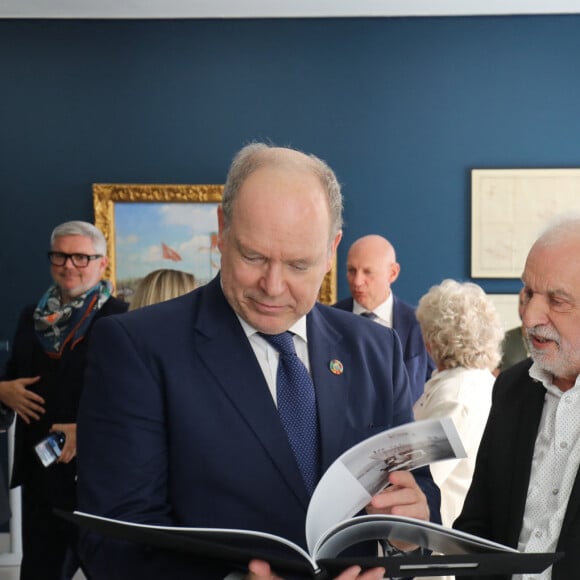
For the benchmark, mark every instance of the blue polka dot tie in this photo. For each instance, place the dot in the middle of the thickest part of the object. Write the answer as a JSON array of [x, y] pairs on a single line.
[[297, 406], [369, 315]]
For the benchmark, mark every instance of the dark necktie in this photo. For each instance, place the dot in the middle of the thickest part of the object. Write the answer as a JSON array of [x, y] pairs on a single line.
[[369, 315], [297, 406]]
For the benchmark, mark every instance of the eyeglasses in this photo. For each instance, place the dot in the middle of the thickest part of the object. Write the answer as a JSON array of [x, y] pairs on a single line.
[[78, 260]]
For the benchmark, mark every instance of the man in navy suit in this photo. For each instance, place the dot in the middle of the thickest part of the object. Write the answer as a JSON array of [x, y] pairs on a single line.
[[371, 268], [179, 422]]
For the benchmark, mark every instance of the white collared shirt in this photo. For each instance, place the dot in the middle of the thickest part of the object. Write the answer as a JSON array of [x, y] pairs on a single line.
[[384, 311], [268, 356], [554, 468]]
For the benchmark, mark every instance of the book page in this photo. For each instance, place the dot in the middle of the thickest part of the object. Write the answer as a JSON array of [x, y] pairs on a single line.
[[425, 534], [224, 543], [363, 471]]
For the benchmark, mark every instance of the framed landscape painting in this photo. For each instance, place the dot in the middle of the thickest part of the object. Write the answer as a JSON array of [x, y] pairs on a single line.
[[155, 226]]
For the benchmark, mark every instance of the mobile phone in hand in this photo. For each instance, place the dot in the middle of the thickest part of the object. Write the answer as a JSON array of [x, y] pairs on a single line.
[[50, 448]]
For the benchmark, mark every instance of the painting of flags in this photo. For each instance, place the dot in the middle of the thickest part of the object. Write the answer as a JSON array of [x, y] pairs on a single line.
[[149, 236], [153, 226], [169, 253]]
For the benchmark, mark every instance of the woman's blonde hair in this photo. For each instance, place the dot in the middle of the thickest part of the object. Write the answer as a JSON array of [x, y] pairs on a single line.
[[161, 285], [461, 326]]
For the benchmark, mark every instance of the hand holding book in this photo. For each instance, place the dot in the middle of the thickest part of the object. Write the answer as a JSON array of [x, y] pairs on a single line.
[[402, 497]]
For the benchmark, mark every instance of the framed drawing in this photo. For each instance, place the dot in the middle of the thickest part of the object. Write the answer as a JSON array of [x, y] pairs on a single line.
[[509, 207], [154, 226]]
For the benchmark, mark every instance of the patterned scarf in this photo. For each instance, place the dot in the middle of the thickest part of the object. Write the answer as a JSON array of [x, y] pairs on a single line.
[[58, 325]]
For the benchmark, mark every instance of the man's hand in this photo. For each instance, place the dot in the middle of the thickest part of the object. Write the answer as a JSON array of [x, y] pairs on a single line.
[[260, 570], [69, 450], [403, 497], [26, 404]]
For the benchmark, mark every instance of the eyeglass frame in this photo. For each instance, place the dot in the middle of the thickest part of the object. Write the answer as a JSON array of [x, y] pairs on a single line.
[[73, 257]]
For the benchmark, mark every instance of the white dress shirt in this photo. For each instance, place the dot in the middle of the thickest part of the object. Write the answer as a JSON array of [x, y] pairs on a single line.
[[383, 311], [554, 468], [268, 356]]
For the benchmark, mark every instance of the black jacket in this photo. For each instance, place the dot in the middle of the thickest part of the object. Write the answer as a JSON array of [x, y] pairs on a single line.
[[494, 506], [60, 386]]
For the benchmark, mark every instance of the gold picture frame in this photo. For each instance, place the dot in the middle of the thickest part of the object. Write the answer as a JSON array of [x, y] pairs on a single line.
[[118, 204]]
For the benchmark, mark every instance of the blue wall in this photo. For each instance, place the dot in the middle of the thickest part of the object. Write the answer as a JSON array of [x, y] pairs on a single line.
[[402, 109]]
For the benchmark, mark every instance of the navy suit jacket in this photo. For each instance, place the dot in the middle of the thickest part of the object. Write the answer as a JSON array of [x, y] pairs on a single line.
[[495, 504], [418, 363], [177, 425]]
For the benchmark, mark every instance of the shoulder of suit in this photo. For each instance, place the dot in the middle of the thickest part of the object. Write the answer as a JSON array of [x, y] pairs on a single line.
[[516, 379], [345, 304], [115, 305], [333, 312], [402, 305]]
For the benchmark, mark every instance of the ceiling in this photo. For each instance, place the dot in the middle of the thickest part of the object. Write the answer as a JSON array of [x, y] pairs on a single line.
[[276, 8]]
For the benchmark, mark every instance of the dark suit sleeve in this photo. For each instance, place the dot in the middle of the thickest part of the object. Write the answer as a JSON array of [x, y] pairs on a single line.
[[22, 336], [418, 362], [130, 479], [430, 489], [6, 416]]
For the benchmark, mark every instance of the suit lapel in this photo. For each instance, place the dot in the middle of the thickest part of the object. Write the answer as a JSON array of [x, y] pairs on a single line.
[[400, 326], [227, 353], [531, 406], [331, 387], [572, 507]]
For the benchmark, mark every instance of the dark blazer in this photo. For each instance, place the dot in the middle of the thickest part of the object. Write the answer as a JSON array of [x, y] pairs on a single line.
[[177, 425], [418, 363], [494, 506], [60, 385]]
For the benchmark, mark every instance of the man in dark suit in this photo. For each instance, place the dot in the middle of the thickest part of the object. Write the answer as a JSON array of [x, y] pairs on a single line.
[[43, 383], [526, 489], [371, 268], [179, 422]]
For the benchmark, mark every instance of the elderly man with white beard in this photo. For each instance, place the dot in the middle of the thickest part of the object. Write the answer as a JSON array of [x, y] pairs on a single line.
[[526, 490]]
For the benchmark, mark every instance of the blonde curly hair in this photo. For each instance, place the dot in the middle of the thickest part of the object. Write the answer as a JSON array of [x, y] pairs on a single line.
[[461, 326]]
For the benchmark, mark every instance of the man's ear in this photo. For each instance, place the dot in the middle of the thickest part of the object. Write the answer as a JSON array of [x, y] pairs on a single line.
[[395, 269], [104, 264], [332, 252]]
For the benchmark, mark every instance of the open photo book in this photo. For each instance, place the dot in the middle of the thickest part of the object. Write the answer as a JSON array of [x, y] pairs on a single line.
[[332, 525]]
